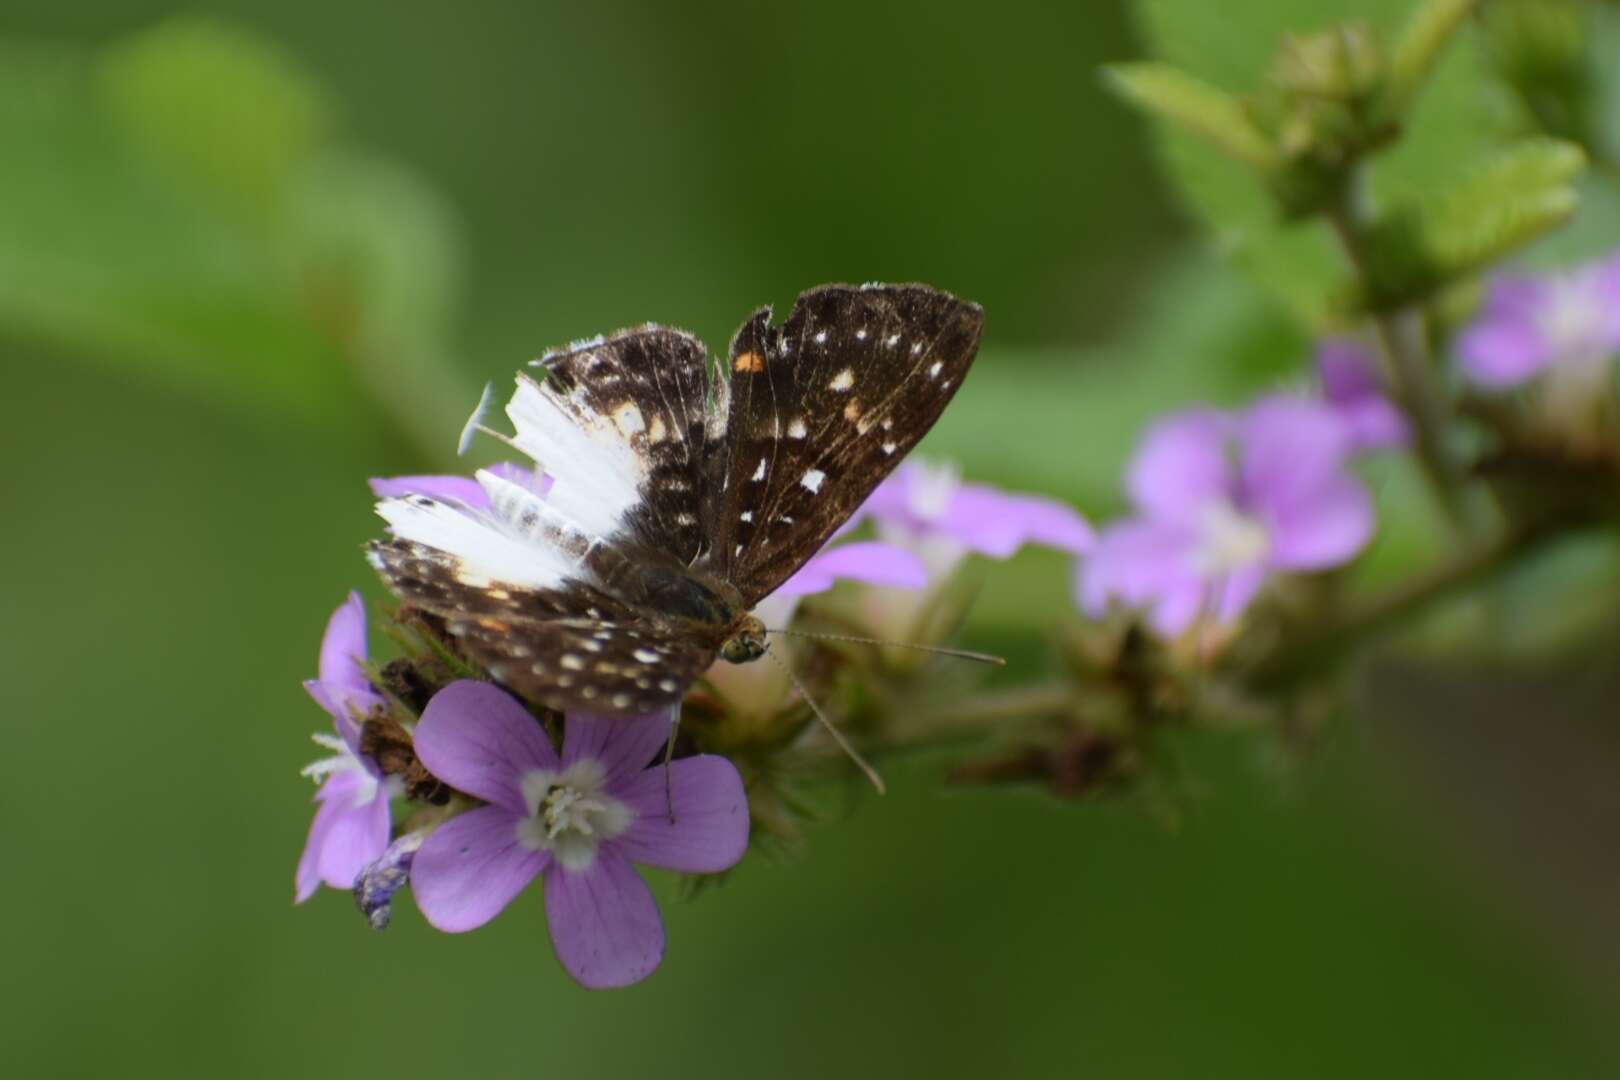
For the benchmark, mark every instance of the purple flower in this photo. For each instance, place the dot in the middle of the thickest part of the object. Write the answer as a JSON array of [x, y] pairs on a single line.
[[352, 825], [1352, 388], [463, 489], [579, 822], [867, 561], [1531, 325], [1223, 501], [927, 509]]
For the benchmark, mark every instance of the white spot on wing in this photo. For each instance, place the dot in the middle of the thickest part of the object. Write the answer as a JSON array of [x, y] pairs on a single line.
[[821, 337], [646, 656], [812, 479], [933, 372], [796, 429], [627, 418], [860, 335], [842, 381], [759, 473]]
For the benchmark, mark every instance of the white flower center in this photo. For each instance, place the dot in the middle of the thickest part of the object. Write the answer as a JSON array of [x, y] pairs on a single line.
[[932, 488], [344, 761], [1229, 540], [569, 813], [1574, 316]]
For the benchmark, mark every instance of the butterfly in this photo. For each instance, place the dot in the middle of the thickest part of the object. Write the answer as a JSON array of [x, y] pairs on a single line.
[[680, 495]]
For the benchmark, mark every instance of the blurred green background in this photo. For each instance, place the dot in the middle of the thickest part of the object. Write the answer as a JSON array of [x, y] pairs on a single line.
[[250, 257]]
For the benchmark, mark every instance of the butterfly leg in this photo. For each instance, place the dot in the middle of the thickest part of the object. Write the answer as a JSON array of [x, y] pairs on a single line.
[[669, 754]]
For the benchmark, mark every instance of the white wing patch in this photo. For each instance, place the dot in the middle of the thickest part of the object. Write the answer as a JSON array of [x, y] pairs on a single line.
[[596, 472], [486, 549]]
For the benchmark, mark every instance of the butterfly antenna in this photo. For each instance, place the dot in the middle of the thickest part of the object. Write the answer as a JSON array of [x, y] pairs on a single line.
[[960, 654], [832, 729]]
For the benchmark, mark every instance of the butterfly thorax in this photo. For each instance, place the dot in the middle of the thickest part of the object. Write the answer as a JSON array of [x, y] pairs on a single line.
[[711, 603]]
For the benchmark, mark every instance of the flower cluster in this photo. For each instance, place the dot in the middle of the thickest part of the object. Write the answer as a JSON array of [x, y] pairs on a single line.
[[495, 793], [1222, 502], [514, 807], [1557, 335]]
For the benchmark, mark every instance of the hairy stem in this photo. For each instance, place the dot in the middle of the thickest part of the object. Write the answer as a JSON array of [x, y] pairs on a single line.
[[1404, 335]]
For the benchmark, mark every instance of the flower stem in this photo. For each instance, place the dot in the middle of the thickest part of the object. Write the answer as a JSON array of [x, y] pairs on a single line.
[[991, 712], [1404, 335], [1334, 640]]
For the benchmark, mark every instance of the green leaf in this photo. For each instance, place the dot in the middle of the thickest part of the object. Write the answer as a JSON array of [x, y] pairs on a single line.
[[1196, 107], [1428, 32], [109, 259], [1234, 46], [176, 206], [215, 107], [1524, 192]]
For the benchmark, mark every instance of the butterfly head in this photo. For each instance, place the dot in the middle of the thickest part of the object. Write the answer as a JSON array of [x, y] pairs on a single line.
[[747, 642]]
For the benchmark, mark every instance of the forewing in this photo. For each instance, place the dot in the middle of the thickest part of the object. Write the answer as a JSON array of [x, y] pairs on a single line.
[[622, 425], [821, 409], [568, 647]]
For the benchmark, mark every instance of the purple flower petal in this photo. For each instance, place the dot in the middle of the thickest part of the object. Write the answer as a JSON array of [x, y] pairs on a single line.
[[1134, 562], [604, 922], [624, 745], [478, 739], [1348, 370], [1290, 447], [1353, 390], [891, 499], [1375, 423], [919, 502], [462, 489], [869, 561], [1184, 462], [344, 837], [1608, 292], [1503, 355], [1233, 593], [1325, 529], [343, 647], [710, 831], [345, 707], [998, 523], [471, 867], [1148, 565]]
